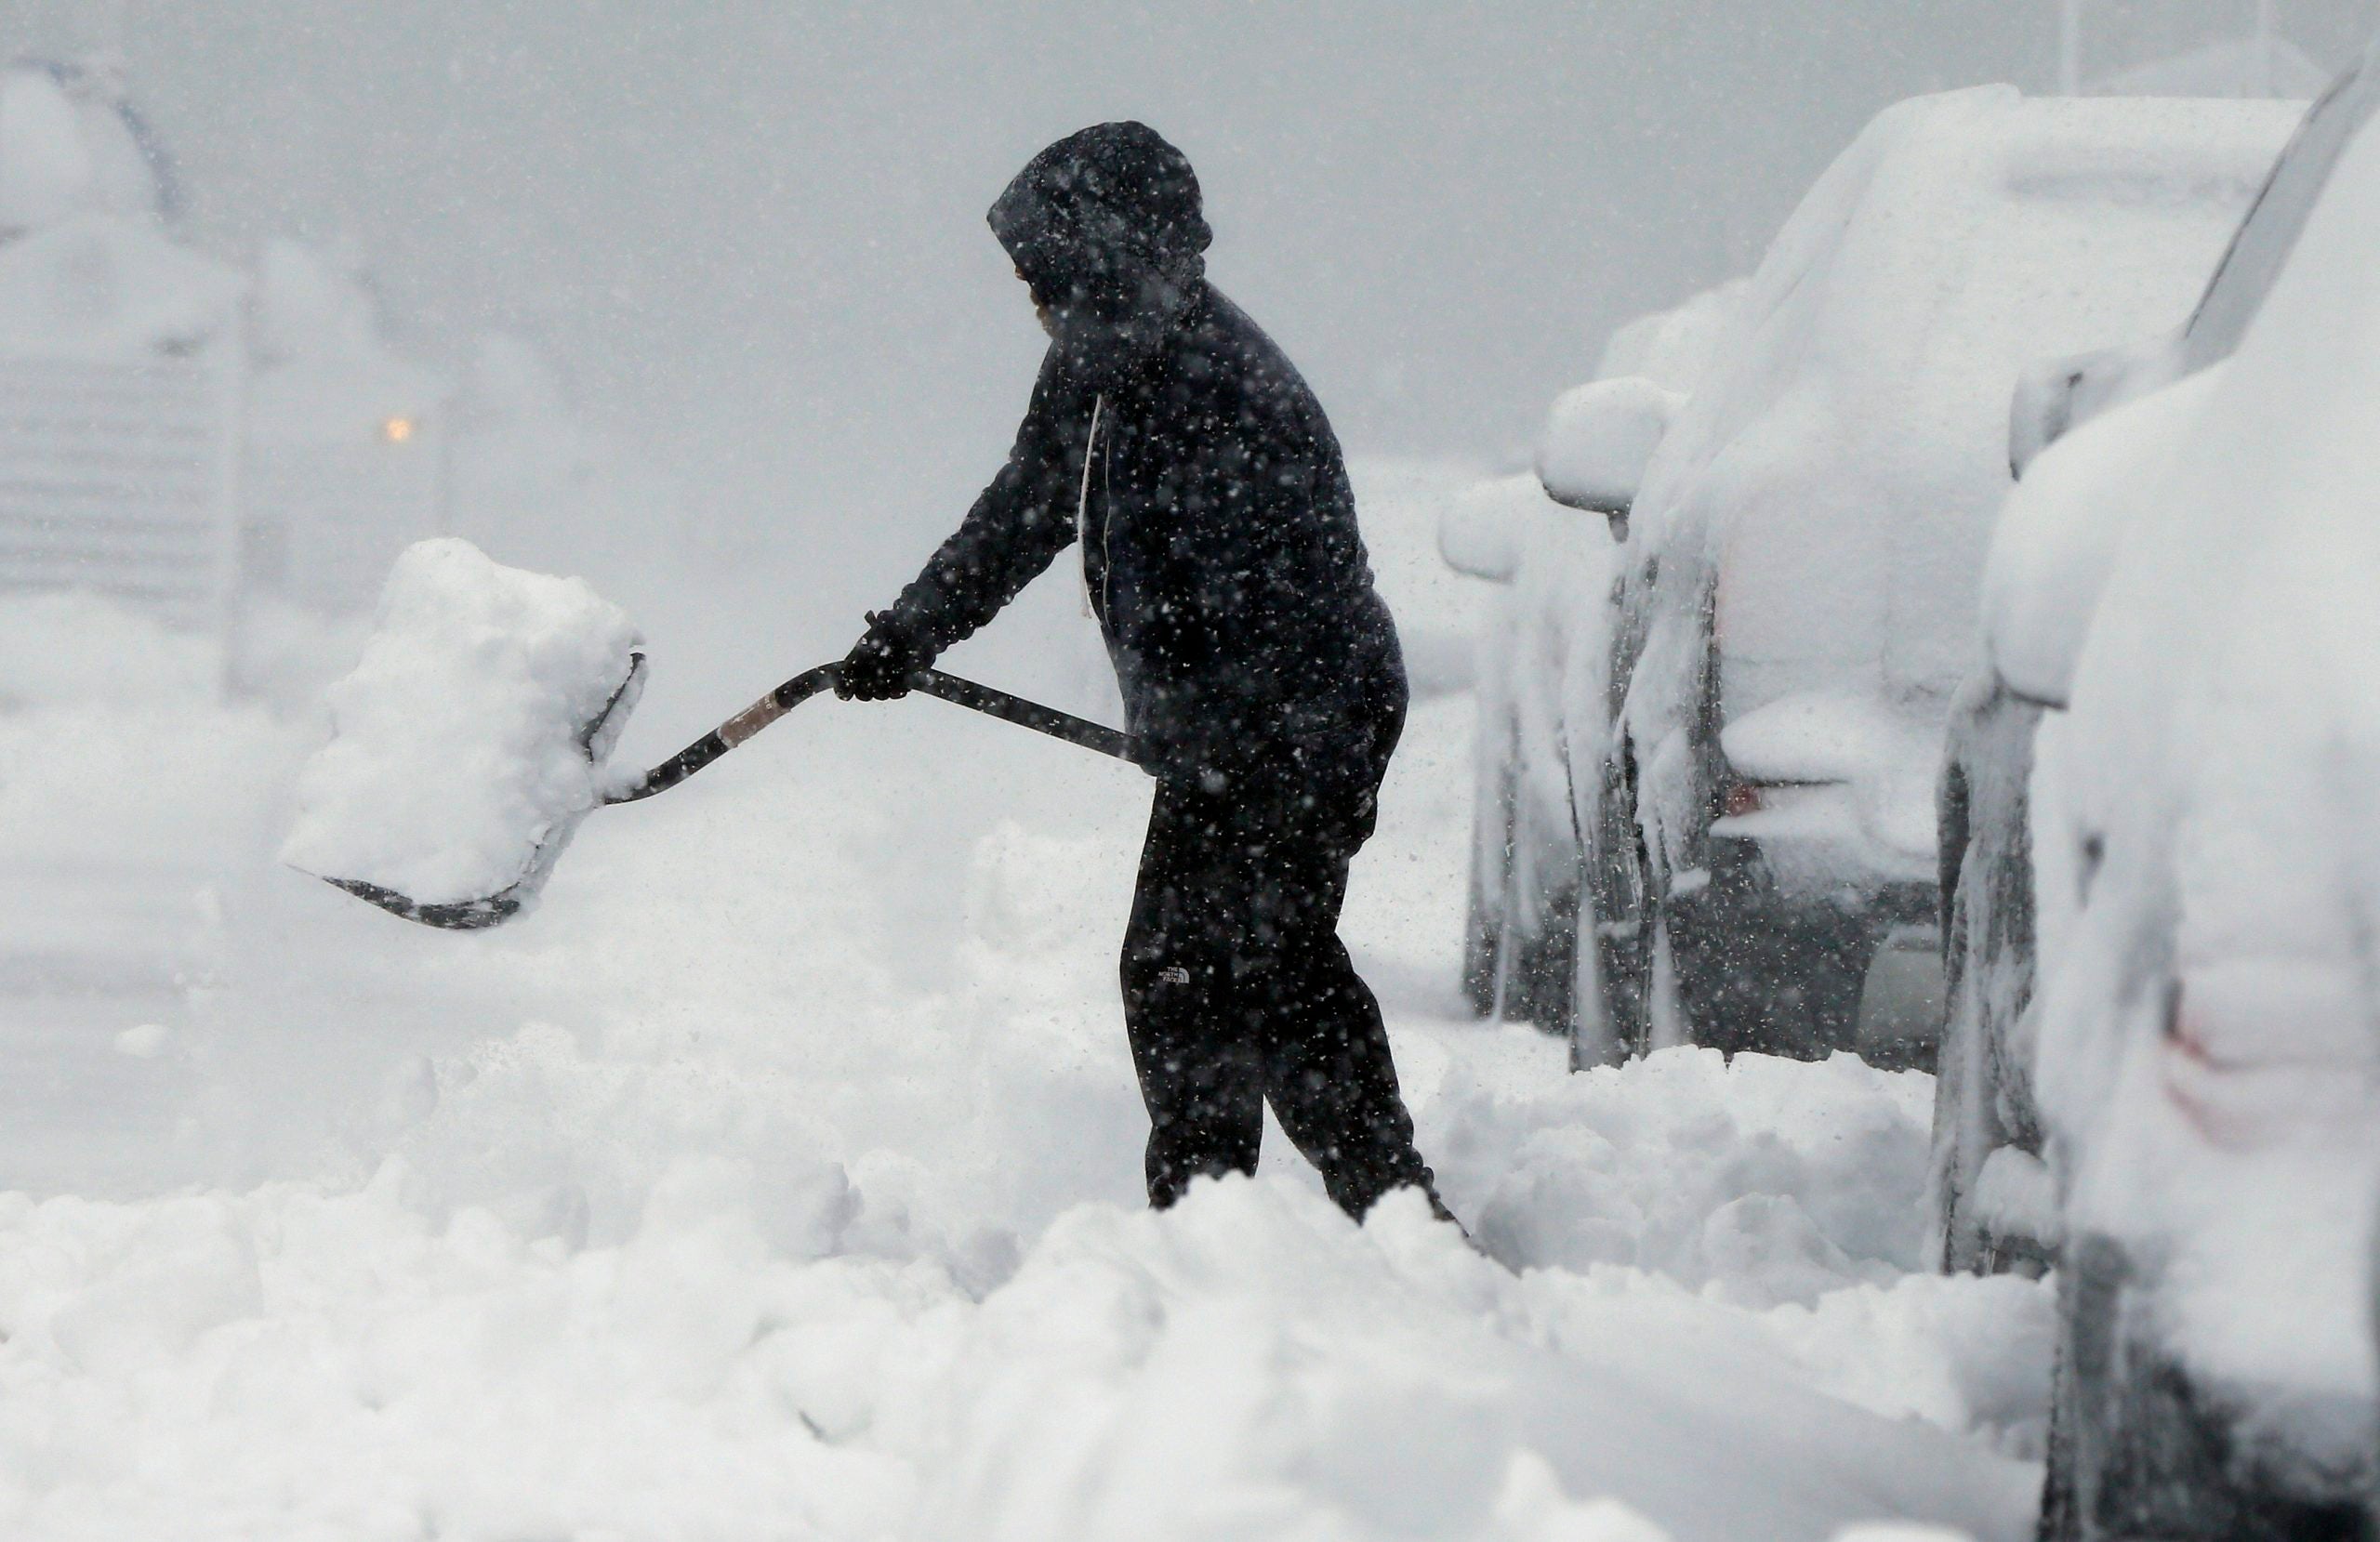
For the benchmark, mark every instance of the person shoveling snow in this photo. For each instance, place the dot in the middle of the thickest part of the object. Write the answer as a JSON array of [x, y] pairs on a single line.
[[1260, 668], [1261, 673]]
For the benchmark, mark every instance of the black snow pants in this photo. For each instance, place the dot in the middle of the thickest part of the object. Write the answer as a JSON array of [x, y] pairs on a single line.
[[1237, 990]]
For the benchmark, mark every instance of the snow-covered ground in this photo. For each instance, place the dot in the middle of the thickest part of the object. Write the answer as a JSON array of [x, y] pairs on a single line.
[[779, 1177]]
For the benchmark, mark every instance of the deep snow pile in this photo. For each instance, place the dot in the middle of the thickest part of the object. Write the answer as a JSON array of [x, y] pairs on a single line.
[[457, 750], [1248, 1366], [780, 1177]]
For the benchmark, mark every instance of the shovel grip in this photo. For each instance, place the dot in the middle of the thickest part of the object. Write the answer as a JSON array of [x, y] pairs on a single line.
[[932, 682]]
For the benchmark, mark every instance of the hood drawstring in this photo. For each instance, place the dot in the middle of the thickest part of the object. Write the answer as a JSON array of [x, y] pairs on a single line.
[[1082, 513]]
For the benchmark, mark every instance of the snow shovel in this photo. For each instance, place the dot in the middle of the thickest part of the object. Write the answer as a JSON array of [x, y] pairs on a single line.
[[598, 735]]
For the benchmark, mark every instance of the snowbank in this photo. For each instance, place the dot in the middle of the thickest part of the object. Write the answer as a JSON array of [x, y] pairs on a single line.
[[131, 793], [295, 1361], [457, 753], [73, 648], [1765, 1180]]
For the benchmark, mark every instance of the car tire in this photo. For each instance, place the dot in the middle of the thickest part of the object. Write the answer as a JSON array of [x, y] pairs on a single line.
[[1611, 1018], [1495, 804], [1521, 925], [1983, 1097], [2135, 1450]]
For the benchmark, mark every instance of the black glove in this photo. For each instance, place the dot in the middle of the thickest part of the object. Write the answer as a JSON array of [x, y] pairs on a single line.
[[879, 666]]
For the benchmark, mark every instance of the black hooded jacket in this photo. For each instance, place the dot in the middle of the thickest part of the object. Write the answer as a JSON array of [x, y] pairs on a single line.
[[1220, 550]]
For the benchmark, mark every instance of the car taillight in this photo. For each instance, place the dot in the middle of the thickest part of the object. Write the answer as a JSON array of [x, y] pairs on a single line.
[[1740, 798], [2256, 1050]]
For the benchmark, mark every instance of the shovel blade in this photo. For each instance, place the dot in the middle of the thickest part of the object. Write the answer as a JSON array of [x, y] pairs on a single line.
[[474, 915], [454, 916], [595, 740]]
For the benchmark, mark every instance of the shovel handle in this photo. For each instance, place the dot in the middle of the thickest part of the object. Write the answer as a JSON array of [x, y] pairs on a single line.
[[1024, 714], [932, 682]]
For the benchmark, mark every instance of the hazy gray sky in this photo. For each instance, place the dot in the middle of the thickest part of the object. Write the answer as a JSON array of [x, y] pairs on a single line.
[[754, 233]]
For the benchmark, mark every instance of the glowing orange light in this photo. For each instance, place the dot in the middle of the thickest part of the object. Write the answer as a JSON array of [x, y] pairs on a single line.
[[396, 430]]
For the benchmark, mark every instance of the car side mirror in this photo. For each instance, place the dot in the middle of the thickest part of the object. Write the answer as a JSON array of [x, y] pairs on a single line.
[[1599, 438], [1480, 532], [2054, 395]]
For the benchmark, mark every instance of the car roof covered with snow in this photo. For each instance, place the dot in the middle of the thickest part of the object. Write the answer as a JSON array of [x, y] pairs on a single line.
[[1841, 464]]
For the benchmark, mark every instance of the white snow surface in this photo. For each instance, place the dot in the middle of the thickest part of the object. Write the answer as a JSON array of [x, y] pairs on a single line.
[[2224, 732], [69, 648], [457, 750], [780, 1177]]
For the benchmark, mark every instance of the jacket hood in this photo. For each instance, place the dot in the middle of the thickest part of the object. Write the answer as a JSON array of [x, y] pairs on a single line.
[[1108, 228]]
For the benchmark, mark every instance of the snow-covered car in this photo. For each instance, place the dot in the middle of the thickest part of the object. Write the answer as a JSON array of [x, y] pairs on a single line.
[[2208, 876], [1542, 655], [1991, 1201], [1799, 577]]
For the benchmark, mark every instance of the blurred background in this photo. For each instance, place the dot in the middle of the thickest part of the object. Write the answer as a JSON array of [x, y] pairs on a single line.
[[746, 240]]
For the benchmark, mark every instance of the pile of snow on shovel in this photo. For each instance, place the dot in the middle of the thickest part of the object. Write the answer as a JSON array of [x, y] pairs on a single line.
[[457, 750]]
